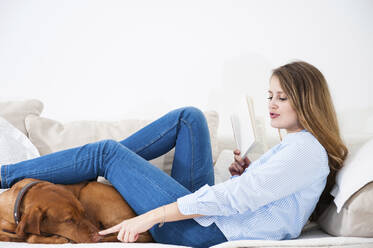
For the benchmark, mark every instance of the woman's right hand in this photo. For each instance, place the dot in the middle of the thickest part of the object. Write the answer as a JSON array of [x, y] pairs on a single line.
[[239, 165]]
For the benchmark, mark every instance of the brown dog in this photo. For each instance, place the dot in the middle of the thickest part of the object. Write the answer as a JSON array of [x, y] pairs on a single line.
[[55, 213]]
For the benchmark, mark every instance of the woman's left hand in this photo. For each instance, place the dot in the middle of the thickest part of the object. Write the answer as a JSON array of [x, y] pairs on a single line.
[[130, 229]]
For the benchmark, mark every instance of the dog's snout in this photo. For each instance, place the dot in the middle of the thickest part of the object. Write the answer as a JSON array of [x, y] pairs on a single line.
[[96, 237]]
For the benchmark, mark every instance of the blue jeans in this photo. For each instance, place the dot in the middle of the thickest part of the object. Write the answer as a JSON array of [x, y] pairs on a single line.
[[144, 186]]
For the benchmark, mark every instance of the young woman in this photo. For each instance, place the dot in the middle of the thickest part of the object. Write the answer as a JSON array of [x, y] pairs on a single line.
[[270, 198]]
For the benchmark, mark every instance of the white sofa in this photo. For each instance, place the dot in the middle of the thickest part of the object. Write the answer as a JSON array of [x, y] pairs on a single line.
[[50, 135]]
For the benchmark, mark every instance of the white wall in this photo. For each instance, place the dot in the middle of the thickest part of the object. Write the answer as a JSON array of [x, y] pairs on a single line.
[[111, 59]]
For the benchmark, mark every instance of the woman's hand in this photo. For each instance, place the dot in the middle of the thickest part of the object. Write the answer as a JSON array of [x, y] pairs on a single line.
[[239, 165], [129, 230]]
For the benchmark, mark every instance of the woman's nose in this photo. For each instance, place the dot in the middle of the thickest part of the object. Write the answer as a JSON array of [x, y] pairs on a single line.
[[272, 105]]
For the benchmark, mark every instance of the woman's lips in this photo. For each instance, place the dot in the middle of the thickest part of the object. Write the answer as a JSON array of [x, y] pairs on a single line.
[[273, 115]]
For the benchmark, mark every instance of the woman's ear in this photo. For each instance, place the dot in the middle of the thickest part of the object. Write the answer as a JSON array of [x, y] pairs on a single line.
[[30, 222]]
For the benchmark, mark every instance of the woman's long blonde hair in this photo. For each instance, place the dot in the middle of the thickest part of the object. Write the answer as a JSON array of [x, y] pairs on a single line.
[[309, 95]]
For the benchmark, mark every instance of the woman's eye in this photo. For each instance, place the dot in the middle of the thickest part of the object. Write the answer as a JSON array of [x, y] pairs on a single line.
[[281, 98]]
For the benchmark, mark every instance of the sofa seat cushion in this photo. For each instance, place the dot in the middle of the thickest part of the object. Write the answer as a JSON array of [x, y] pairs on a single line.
[[311, 236]]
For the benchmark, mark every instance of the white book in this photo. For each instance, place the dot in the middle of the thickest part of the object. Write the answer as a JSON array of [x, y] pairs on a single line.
[[243, 124]]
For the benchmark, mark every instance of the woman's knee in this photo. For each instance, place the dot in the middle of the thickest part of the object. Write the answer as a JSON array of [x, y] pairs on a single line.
[[108, 145], [193, 113]]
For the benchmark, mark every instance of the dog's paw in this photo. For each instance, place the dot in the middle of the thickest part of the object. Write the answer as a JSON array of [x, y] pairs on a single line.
[[54, 239], [109, 238], [60, 240]]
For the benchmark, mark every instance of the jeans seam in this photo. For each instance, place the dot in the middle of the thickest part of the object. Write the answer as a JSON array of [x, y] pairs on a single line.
[[214, 230], [95, 155], [53, 170], [160, 189], [49, 171], [192, 147], [190, 239], [155, 140]]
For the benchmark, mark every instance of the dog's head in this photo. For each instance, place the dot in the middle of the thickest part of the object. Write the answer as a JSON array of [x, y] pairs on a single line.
[[51, 209]]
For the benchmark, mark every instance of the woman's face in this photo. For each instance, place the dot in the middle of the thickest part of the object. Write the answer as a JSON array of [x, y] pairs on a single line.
[[282, 115]]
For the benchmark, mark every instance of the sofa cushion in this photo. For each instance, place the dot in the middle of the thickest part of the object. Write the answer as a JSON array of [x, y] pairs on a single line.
[[50, 135], [356, 172], [355, 217], [16, 111], [351, 212]]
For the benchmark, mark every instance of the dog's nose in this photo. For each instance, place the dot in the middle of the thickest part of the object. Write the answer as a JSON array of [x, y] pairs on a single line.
[[96, 237]]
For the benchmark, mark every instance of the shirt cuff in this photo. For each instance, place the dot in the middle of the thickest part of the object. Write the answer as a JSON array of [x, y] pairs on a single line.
[[188, 204]]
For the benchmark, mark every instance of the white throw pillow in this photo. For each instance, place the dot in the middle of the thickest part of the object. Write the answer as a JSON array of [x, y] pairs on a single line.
[[14, 145], [356, 172]]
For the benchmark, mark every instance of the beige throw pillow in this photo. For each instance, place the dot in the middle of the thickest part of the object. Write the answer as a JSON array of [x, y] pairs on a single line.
[[356, 172], [351, 212], [51, 136], [355, 217], [16, 111]]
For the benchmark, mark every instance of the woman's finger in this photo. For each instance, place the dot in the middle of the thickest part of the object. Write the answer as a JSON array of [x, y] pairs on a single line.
[[112, 229], [136, 237], [233, 170], [239, 168], [121, 235], [247, 160], [236, 152], [131, 237], [126, 237], [239, 160], [236, 168]]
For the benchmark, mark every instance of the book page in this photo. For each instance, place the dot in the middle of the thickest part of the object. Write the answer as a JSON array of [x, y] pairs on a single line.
[[243, 124]]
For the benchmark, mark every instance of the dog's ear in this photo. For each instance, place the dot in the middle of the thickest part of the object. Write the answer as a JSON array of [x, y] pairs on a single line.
[[30, 222], [7, 232]]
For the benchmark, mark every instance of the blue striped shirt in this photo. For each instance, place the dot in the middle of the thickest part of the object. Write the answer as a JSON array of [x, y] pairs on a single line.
[[272, 199]]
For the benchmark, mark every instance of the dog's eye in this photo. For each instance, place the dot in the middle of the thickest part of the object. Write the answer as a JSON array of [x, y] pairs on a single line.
[[69, 221]]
